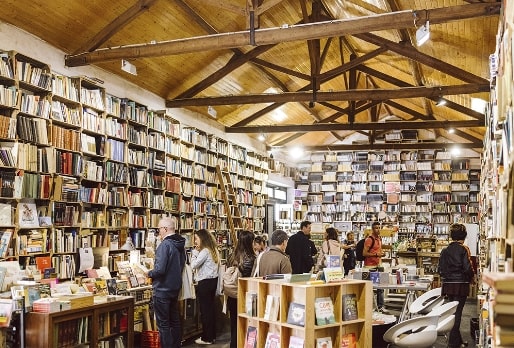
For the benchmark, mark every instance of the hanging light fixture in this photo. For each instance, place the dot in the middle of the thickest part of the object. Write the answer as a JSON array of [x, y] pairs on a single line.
[[423, 33]]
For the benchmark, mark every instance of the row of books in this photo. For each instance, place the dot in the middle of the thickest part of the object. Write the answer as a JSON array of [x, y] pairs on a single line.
[[324, 309], [347, 340]]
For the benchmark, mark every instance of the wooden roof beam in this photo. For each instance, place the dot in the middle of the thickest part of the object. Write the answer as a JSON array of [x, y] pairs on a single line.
[[267, 36], [376, 126], [112, 28], [397, 82], [306, 96], [410, 52], [392, 146]]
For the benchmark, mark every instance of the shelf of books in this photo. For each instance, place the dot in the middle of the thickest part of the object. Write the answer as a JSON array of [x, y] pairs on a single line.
[[420, 192], [99, 170], [304, 315], [497, 194], [106, 324]]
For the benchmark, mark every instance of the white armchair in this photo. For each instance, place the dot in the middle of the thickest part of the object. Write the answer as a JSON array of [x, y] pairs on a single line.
[[418, 332]]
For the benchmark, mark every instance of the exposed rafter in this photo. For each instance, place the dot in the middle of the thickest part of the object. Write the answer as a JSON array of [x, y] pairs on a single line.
[[391, 146], [119, 22], [374, 94], [395, 20], [328, 127]]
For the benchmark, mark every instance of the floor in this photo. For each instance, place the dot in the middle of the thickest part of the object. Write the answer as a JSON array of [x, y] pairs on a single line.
[[470, 311]]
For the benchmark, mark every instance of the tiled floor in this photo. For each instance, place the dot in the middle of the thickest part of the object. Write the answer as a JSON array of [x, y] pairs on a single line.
[[470, 311]]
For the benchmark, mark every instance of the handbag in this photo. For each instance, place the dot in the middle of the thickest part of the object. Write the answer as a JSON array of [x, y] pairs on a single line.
[[188, 289]]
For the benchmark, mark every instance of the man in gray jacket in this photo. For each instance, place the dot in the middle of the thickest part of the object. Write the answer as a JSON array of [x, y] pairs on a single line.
[[275, 260]]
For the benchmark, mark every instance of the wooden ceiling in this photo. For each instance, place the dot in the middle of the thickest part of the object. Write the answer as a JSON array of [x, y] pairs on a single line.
[[322, 74]]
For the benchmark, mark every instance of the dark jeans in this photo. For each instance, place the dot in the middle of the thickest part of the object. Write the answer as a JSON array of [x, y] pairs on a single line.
[[380, 298], [206, 295], [455, 338], [232, 310], [168, 321]]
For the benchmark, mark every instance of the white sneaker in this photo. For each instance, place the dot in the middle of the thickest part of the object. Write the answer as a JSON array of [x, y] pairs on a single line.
[[200, 341]]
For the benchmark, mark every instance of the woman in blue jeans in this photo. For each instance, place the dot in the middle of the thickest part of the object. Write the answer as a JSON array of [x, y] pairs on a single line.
[[205, 261]]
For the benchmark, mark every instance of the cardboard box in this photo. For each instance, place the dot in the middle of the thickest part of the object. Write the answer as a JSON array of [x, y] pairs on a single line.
[[76, 301]]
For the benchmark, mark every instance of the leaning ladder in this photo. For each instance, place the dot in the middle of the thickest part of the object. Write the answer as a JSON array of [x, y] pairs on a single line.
[[230, 203]]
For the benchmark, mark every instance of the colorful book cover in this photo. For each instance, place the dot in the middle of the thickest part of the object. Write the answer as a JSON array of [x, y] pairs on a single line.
[[272, 340], [251, 337], [324, 342], [295, 342], [324, 308], [350, 307], [348, 340], [296, 314]]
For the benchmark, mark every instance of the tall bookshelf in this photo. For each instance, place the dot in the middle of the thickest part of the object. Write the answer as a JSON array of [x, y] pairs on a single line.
[[420, 192], [103, 168]]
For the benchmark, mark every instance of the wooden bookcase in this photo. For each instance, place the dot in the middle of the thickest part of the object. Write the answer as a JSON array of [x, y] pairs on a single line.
[[421, 192], [98, 323], [305, 294]]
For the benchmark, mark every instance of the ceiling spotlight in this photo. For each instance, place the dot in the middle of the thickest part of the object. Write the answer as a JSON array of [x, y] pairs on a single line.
[[455, 151], [128, 67], [423, 34], [440, 102], [261, 137], [451, 130]]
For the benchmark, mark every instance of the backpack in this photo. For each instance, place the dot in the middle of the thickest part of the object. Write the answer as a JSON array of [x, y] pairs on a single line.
[[230, 277], [359, 248]]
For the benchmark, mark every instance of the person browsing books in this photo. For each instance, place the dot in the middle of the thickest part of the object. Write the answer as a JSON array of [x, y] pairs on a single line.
[[330, 246], [299, 249], [244, 258], [275, 260], [348, 246], [457, 273], [170, 258], [205, 260], [373, 254]]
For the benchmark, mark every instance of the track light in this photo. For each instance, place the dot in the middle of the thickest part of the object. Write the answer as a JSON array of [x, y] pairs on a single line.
[[440, 102], [261, 137], [128, 67], [311, 104], [423, 34]]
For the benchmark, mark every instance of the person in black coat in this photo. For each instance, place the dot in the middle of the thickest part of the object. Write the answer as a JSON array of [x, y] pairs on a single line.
[[299, 249], [457, 273]]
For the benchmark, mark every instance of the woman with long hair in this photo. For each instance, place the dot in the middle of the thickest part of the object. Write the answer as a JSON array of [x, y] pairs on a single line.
[[244, 258], [205, 260], [330, 246]]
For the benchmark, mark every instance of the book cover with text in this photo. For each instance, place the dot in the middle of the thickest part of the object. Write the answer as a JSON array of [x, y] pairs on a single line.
[[350, 307], [324, 309]]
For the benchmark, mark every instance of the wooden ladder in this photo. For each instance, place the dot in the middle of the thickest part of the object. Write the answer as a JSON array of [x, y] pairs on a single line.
[[228, 194]]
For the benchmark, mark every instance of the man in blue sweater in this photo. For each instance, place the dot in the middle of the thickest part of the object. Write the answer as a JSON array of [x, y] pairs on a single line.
[[167, 281]]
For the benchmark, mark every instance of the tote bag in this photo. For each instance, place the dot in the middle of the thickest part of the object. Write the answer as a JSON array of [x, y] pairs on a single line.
[[188, 289]]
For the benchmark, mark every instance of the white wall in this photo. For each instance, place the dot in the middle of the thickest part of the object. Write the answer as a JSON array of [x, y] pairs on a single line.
[[13, 38]]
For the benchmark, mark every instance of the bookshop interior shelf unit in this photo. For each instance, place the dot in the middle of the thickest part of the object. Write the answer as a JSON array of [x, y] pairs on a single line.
[[287, 294], [496, 243], [421, 192], [80, 167], [107, 324]]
